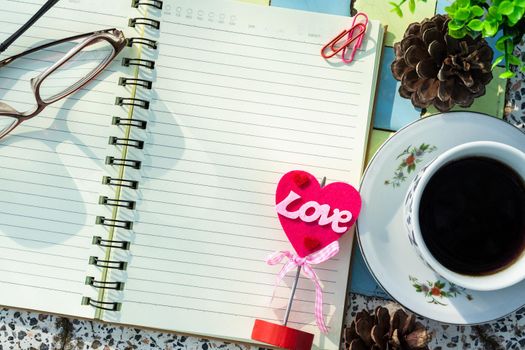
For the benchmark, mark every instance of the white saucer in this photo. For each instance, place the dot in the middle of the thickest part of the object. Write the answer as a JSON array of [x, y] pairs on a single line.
[[381, 232]]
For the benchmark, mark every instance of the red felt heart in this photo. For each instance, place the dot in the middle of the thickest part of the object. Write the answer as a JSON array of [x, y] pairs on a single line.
[[313, 217], [300, 178]]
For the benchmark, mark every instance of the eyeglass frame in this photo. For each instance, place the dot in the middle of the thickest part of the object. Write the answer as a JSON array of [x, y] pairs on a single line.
[[113, 36]]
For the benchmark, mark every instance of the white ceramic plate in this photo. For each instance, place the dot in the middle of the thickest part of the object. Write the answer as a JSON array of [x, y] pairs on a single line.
[[381, 232]]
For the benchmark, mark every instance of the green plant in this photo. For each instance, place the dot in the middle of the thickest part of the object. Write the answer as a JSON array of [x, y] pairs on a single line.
[[486, 19]]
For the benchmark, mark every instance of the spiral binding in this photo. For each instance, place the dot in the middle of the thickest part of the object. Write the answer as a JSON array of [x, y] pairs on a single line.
[[132, 163], [138, 123], [133, 22], [109, 264], [126, 141], [116, 202], [126, 62], [131, 101], [139, 82], [97, 240], [154, 3], [104, 305], [108, 180], [119, 141], [142, 41], [103, 284]]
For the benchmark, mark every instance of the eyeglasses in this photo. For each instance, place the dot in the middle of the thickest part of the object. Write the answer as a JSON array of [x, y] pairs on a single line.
[[64, 66]]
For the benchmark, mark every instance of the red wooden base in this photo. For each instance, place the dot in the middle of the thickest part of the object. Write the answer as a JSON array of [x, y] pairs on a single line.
[[281, 336]]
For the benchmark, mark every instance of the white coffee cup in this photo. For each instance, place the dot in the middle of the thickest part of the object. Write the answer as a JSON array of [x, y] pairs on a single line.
[[512, 157]]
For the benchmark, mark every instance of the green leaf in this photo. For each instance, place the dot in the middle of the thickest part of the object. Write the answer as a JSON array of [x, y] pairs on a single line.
[[412, 5], [514, 60], [462, 3], [520, 3], [507, 74], [506, 8], [462, 14], [523, 68], [497, 61], [490, 28], [475, 25], [516, 15], [450, 10], [500, 44], [478, 11], [396, 9], [455, 25], [457, 34], [494, 14]]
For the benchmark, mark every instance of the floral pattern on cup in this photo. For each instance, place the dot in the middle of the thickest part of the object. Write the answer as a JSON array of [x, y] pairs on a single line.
[[435, 292], [410, 157]]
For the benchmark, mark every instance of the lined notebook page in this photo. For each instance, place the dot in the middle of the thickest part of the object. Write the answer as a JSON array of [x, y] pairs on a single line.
[[52, 165], [241, 96]]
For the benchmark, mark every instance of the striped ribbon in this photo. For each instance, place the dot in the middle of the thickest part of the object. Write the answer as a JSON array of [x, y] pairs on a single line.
[[306, 262]]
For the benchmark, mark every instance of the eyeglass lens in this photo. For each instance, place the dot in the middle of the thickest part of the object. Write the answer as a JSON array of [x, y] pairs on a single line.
[[15, 78], [76, 71]]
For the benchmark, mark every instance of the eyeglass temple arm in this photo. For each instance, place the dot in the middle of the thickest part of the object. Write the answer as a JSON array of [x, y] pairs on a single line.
[[32, 20]]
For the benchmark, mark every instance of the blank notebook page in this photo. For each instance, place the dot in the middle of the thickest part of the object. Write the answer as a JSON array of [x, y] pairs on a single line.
[[52, 165], [241, 97]]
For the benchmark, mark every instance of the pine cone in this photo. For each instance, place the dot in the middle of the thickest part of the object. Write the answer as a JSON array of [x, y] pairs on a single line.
[[437, 69], [380, 332]]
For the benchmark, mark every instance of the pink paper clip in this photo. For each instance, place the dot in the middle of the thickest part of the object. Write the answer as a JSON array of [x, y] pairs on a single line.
[[357, 45], [354, 34], [333, 44]]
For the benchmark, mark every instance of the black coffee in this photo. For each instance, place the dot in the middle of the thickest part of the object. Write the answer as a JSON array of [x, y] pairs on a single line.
[[472, 215]]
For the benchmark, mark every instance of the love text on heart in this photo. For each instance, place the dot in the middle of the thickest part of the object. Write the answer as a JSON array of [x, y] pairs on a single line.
[[312, 211]]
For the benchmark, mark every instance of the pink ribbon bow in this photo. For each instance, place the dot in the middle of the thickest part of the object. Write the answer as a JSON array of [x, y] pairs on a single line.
[[306, 262]]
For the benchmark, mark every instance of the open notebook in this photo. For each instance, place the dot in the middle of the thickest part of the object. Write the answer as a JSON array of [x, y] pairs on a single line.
[[234, 95]]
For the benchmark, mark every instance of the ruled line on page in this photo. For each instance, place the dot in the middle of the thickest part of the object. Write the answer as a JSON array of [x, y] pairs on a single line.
[[222, 278], [260, 92], [73, 19], [265, 59], [46, 219], [210, 299], [248, 157], [52, 175], [44, 162], [317, 88], [224, 267], [44, 276], [266, 251], [29, 94], [249, 35], [260, 69], [204, 231], [196, 241], [249, 316], [249, 113], [186, 205], [243, 44], [47, 185], [28, 81], [211, 287], [252, 101], [41, 287], [240, 144], [45, 253], [42, 264], [89, 236]]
